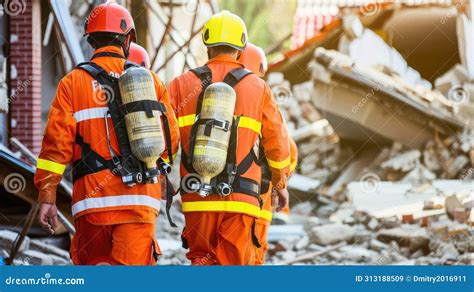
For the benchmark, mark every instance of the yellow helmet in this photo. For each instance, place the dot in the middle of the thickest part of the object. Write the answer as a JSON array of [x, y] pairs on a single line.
[[225, 28]]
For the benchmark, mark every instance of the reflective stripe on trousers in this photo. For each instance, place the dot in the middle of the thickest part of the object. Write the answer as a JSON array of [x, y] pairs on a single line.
[[227, 206]]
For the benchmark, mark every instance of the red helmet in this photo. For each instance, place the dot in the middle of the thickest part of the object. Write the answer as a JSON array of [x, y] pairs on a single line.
[[138, 55], [110, 17], [253, 58]]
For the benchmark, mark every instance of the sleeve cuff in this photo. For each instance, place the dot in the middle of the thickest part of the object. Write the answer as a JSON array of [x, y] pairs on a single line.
[[47, 197]]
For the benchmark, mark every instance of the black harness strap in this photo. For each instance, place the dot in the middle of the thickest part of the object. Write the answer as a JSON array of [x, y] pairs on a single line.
[[129, 162], [147, 106], [233, 171], [108, 54], [90, 162], [169, 149], [205, 75], [255, 240], [235, 76], [129, 64], [242, 184], [169, 200]]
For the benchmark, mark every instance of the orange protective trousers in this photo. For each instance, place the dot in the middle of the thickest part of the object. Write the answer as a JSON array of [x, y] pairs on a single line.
[[118, 244], [218, 238]]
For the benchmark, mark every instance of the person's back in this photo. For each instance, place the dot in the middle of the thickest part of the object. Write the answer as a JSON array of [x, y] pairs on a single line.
[[114, 220], [89, 106], [220, 228]]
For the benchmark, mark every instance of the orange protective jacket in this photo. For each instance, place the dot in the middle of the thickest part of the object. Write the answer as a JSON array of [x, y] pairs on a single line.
[[260, 118], [267, 210], [79, 107]]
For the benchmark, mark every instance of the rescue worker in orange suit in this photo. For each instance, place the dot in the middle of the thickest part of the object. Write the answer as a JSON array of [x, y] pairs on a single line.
[[254, 59], [115, 222], [220, 229]]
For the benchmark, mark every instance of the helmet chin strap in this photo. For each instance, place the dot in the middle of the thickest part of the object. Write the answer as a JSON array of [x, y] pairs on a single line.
[[126, 46]]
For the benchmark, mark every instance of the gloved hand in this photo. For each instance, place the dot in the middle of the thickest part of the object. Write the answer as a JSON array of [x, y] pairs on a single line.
[[48, 217], [280, 198]]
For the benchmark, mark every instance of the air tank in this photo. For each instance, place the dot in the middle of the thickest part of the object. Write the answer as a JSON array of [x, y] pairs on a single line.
[[144, 129], [210, 151]]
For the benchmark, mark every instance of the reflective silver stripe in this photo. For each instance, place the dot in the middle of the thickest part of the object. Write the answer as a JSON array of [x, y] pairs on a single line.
[[115, 201], [90, 113]]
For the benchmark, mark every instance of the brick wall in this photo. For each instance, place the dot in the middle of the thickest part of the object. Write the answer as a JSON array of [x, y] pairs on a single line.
[[25, 81]]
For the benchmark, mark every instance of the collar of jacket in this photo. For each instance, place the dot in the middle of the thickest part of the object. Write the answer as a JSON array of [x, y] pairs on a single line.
[[224, 58], [110, 49]]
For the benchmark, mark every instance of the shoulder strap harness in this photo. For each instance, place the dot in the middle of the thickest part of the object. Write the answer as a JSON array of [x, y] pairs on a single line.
[[233, 171], [126, 163]]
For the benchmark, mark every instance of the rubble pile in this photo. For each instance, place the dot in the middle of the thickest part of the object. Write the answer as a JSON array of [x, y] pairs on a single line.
[[385, 78], [318, 144], [409, 203], [32, 251], [448, 158], [350, 236]]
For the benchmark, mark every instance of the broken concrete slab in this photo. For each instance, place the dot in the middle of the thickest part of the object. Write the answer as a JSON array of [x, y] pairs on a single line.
[[402, 198], [7, 238], [452, 203], [358, 100], [286, 232], [48, 249], [37, 258], [405, 161], [331, 233], [378, 245], [303, 187], [357, 253], [407, 236]]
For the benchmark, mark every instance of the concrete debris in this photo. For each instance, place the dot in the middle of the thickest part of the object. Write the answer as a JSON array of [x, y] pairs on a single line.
[[318, 145], [410, 236], [407, 203], [7, 238], [352, 236], [32, 251], [403, 162], [331, 233], [451, 204], [360, 95], [278, 232], [45, 248]]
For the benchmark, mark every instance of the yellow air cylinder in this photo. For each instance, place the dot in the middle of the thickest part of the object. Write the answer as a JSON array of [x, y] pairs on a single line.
[[210, 152], [144, 132]]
